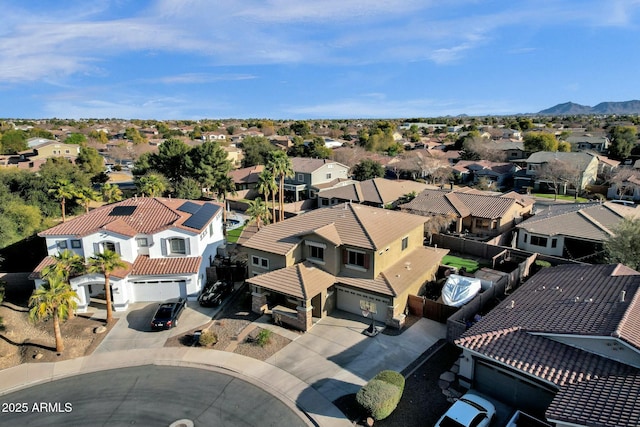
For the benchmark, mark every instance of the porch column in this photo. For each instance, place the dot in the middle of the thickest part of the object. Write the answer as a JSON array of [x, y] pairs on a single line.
[[305, 317], [258, 302]]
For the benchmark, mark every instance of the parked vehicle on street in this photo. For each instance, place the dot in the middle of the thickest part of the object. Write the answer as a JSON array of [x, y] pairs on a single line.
[[213, 293], [167, 314], [470, 410]]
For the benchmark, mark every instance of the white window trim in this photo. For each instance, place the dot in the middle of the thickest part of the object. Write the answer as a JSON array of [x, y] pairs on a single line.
[[355, 266], [316, 244], [170, 250]]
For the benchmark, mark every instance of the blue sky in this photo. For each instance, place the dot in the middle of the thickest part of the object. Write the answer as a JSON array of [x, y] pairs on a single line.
[[300, 59]]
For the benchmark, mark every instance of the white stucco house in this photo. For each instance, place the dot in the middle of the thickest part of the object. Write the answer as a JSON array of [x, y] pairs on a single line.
[[167, 245]]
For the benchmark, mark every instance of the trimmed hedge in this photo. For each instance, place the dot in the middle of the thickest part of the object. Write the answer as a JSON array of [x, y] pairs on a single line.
[[381, 395]]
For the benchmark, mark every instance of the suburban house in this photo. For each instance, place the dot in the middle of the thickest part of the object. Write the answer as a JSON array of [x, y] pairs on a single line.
[[576, 231], [589, 142], [472, 211], [564, 346], [628, 189], [349, 257], [234, 155], [497, 174], [40, 149], [312, 175], [378, 192], [513, 150], [246, 178], [579, 170], [167, 244]]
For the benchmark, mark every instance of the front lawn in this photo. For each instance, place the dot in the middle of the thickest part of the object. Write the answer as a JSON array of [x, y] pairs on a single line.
[[561, 197], [469, 264], [233, 235]]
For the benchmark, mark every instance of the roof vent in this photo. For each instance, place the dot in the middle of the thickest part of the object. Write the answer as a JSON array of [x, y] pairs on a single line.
[[513, 303], [623, 293]]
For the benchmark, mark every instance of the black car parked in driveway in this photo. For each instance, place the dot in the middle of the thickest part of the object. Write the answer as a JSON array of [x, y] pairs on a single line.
[[213, 294], [167, 314]]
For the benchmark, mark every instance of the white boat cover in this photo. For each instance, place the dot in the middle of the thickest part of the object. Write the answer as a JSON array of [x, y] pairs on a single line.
[[459, 290]]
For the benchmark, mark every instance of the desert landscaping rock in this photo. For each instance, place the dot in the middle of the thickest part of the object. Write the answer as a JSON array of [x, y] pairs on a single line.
[[100, 330]]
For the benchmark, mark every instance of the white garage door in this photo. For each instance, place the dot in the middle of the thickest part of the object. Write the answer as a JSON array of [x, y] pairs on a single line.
[[159, 290], [349, 300]]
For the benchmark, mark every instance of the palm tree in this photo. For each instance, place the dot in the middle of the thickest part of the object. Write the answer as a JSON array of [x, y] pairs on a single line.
[[105, 263], [111, 193], [267, 186], [281, 166], [67, 264], [223, 186], [259, 212], [54, 299], [151, 184], [62, 190], [87, 195]]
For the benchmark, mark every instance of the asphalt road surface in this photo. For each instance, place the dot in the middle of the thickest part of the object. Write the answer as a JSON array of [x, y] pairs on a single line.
[[147, 396]]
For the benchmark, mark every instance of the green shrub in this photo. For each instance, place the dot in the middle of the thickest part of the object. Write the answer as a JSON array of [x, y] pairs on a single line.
[[381, 395], [542, 264], [263, 337], [391, 377], [207, 338]]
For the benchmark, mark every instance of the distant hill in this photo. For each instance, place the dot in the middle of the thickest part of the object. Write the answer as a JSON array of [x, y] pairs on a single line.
[[570, 108]]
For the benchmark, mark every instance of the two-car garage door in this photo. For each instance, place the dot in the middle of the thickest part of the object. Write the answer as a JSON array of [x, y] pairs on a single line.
[[350, 301], [159, 290]]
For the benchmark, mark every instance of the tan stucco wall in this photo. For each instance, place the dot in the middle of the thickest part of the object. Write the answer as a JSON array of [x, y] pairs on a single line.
[[384, 258]]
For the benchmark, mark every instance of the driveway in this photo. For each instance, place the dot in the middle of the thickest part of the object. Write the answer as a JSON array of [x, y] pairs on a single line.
[[133, 327], [336, 358]]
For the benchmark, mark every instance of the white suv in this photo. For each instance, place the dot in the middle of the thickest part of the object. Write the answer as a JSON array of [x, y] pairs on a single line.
[[470, 410]]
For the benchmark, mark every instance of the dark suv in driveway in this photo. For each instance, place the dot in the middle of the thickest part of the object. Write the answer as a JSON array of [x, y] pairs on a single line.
[[213, 294], [167, 314]]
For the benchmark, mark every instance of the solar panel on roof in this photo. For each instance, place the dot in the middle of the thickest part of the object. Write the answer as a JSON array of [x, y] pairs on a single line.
[[189, 207], [202, 216], [122, 210]]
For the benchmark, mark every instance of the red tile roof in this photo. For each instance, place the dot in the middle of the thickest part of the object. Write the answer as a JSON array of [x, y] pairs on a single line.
[[150, 215], [145, 266]]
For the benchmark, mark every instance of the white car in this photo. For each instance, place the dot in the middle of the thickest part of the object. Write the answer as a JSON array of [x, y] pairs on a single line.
[[470, 410]]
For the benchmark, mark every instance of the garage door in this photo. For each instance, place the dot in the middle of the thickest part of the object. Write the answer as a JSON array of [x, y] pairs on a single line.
[[349, 301], [511, 389], [159, 290]]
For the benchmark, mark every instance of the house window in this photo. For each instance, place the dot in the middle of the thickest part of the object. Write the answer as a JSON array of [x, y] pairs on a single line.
[[483, 223], [76, 244], [324, 202], [108, 246], [259, 261], [142, 242], [405, 243], [328, 176], [61, 244], [554, 243], [211, 228], [300, 177], [177, 246], [525, 237], [316, 251], [354, 258], [539, 241]]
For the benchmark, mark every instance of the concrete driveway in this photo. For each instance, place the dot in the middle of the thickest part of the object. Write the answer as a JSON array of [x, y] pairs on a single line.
[[336, 358], [133, 327]]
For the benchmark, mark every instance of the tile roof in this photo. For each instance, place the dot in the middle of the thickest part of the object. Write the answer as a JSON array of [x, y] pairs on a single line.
[[304, 280], [145, 266], [309, 165], [579, 160], [146, 215], [378, 191], [569, 300], [585, 221], [356, 225], [463, 204], [248, 175]]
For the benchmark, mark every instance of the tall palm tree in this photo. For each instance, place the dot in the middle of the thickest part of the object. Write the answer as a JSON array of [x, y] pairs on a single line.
[[224, 186], [281, 166], [54, 299], [151, 184], [87, 195], [67, 265], [111, 193], [267, 186], [105, 263], [62, 190], [259, 212]]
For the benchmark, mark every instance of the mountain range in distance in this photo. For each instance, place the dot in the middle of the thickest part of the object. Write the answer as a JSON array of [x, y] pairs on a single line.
[[570, 108]]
